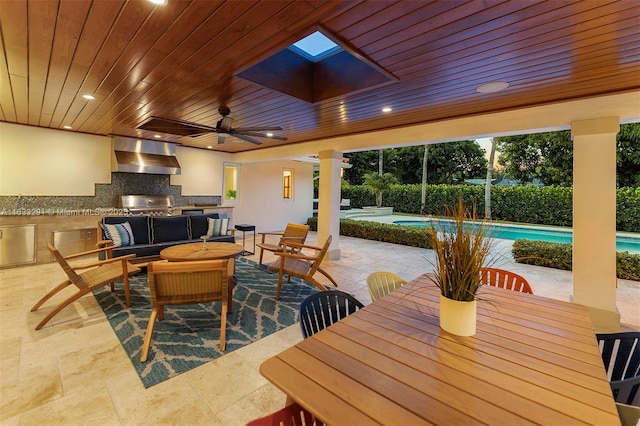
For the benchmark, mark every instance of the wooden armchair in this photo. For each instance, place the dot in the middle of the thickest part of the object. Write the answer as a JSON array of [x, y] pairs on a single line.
[[504, 279], [294, 233], [293, 262], [187, 283], [98, 274]]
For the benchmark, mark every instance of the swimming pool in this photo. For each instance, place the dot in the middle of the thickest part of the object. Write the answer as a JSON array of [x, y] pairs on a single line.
[[624, 242]]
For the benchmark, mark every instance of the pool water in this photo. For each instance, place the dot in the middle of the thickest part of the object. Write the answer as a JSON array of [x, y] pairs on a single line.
[[515, 232]]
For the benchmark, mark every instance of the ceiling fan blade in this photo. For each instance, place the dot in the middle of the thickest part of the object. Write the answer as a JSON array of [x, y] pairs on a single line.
[[221, 139], [259, 135], [246, 138], [176, 127], [257, 129]]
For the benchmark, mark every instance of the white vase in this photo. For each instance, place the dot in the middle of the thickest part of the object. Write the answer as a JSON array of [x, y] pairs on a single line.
[[457, 317]]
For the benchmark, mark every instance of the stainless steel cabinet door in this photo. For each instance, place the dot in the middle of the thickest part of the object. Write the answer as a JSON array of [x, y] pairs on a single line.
[[17, 244]]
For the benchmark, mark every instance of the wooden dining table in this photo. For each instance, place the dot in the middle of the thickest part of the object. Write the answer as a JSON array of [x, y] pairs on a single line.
[[533, 360]]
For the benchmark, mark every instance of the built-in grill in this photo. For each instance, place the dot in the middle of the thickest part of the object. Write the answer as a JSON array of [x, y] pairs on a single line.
[[154, 205]]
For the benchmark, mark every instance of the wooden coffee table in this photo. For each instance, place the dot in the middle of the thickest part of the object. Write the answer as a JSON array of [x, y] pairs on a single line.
[[194, 251], [214, 251]]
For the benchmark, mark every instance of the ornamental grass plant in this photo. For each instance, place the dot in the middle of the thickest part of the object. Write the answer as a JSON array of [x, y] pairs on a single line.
[[461, 248]]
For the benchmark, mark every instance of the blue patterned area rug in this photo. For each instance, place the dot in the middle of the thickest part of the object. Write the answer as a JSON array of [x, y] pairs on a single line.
[[189, 334]]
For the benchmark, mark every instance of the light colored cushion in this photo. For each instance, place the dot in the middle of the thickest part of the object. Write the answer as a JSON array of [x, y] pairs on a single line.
[[121, 234], [218, 227]]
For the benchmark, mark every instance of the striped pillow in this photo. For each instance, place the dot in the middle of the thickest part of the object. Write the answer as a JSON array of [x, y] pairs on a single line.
[[120, 234], [217, 227]]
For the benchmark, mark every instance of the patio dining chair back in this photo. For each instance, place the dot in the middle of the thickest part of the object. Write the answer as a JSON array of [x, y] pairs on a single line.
[[621, 357], [381, 283], [504, 279], [291, 415], [324, 308]]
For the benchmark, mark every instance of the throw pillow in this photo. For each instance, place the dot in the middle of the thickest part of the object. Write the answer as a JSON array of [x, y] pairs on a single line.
[[217, 227], [120, 234]]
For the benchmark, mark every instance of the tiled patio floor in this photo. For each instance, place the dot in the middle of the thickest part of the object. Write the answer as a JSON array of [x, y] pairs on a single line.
[[74, 371]]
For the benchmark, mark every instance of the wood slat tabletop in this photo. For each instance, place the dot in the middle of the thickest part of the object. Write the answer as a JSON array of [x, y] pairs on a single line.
[[533, 360]]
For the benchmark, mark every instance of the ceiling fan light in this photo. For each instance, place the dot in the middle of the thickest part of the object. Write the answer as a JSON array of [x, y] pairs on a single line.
[[494, 86]]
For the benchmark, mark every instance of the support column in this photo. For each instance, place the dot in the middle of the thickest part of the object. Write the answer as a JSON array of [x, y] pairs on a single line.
[[329, 193], [594, 219]]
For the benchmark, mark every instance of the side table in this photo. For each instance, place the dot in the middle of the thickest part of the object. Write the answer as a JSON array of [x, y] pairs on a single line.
[[244, 227]]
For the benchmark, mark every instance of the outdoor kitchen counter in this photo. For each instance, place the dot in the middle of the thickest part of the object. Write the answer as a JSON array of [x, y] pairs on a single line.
[[47, 221], [206, 209]]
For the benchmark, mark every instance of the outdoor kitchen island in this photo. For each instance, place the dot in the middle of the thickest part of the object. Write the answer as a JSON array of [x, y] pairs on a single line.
[[49, 221]]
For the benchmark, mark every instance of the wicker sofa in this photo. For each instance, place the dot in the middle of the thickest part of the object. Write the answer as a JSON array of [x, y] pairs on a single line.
[[151, 234]]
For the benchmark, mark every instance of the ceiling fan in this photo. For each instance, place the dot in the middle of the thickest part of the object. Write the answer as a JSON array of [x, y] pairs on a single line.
[[223, 128]]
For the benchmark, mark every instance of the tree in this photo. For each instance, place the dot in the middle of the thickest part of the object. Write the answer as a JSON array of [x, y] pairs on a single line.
[[519, 157], [454, 162], [628, 156], [361, 163], [487, 184], [378, 184], [448, 162], [548, 156], [423, 193]]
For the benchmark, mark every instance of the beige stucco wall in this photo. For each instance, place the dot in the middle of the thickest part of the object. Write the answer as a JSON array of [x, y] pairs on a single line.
[[36, 161], [201, 171], [260, 200]]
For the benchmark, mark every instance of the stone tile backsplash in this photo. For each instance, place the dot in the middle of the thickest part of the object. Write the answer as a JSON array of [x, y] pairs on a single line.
[[107, 195]]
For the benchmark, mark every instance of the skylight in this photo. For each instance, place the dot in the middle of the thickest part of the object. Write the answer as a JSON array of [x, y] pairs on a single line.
[[315, 46]]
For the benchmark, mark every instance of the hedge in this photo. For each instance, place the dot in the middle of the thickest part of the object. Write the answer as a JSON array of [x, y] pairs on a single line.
[[551, 255], [559, 256], [525, 204]]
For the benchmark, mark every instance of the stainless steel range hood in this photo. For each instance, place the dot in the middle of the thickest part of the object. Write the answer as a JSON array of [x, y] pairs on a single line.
[[144, 156]]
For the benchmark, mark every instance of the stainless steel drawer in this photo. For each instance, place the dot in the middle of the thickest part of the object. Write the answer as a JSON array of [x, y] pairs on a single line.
[[74, 240], [17, 245]]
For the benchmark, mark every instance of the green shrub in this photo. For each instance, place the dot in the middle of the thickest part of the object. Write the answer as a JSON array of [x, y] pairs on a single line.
[[525, 204], [375, 231], [628, 209], [540, 253], [559, 256]]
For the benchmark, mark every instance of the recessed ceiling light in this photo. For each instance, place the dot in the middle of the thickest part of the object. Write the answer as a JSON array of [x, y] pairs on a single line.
[[67, 127], [209, 147], [159, 2], [269, 134], [157, 136], [492, 87], [386, 109], [89, 97]]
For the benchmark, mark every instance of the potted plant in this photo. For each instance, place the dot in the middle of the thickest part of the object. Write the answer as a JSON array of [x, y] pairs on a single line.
[[231, 194], [379, 184], [461, 248]]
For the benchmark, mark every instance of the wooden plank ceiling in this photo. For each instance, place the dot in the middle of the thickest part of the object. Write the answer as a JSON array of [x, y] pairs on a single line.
[[181, 61]]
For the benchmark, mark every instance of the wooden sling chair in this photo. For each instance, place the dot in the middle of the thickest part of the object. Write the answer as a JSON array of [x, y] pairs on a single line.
[[294, 263], [97, 274], [187, 283], [293, 233]]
